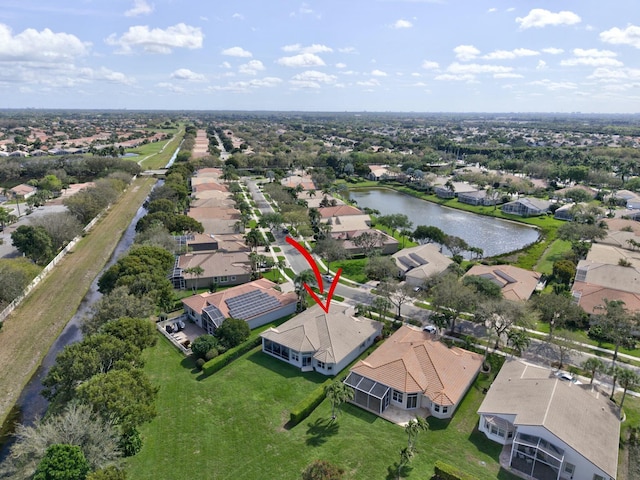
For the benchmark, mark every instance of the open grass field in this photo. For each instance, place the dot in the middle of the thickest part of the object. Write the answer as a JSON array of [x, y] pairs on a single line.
[[231, 425], [30, 330], [352, 268], [554, 252], [157, 155]]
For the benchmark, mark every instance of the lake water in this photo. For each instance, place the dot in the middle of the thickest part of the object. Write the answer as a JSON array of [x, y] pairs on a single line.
[[493, 235]]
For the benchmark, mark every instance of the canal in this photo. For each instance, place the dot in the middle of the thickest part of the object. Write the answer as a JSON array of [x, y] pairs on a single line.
[[493, 235]]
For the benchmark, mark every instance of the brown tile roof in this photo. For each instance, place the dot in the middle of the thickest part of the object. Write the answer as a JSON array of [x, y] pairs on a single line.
[[411, 361], [198, 188], [216, 264], [339, 211], [592, 297], [198, 302], [217, 213], [516, 283], [585, 420]]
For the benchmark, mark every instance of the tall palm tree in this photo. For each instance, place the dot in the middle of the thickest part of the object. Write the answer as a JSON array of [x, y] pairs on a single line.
[[412, 429], [405, 457], [305, 276], [338, 393], [593, 365], [197, 272], [628, 378]]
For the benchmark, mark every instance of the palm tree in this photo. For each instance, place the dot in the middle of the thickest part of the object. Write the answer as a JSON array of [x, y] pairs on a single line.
[[305, 276], [405, 457], [593, 365], [518, 339], [253, 239], [338, 393], [196, 271], [628, 378], [614, 371], [412, 429]]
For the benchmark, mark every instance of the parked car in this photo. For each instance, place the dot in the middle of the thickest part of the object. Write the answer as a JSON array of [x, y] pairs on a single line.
[[567, 377], [430, 328]]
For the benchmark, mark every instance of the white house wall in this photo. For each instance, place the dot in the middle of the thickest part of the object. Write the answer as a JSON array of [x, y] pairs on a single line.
[[272, 316]]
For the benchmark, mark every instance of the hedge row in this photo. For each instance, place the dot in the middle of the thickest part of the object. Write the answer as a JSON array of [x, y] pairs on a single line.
[[444, 471], [308, 404], [212, 366]]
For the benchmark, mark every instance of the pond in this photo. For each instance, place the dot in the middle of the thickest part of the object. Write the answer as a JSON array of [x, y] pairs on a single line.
[[493, 235]]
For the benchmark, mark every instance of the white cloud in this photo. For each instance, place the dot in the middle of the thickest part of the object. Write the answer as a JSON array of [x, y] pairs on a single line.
[[315, 48], [158, 40], [378, 73], [466, 52], [553, 50], [611, 74], [372, 82], [402, 24], [539, 17], [237, 16], [592, 62], [542, 65], [237, 52], [628, 36], [510, 54], [312, 79], [170, 86], [475, 68], [507, 75], [45, 46], [511, 9], [341, 65], [302, 60], [251, 68], [593, 52], [419, 84], [492, 10], [140, 7], [186, 74], [430, 65], [549, 85], [447, 77], [347, 50], [226, 65]]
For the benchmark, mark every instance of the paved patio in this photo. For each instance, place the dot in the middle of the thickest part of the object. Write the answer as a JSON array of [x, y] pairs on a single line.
[[401, 417]]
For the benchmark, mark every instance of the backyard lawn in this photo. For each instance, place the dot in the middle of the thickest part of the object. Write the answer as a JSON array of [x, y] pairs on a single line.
[[231, 425]]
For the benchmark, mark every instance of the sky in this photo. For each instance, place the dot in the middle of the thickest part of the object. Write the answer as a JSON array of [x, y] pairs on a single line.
[[323, 55]]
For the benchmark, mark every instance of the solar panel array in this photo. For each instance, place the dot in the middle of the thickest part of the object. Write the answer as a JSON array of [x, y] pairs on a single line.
[[214, 314], [251, 304]]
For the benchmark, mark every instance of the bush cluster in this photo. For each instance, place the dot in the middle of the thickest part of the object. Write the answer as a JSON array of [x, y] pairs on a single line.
[[212, 366], [444, 471], [308, 404]]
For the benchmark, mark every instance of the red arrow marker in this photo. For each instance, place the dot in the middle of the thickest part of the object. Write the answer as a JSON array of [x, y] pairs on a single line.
[[316, 272]]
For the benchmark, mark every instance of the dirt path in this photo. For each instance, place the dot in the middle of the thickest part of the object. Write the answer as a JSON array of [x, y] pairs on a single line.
[[28, 333]]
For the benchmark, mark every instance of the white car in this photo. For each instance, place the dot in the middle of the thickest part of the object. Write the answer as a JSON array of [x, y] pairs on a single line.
[[567, 377], [430, 329]]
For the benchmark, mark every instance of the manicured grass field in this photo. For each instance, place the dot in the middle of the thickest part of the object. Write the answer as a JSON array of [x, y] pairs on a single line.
[[231, 425], [553, 253], [352, 268]]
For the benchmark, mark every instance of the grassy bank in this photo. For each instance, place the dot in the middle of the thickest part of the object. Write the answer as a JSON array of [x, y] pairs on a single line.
[[231, 425], [30, 330], [157, 155]]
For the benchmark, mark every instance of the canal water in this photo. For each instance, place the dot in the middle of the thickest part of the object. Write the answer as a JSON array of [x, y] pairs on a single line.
[[493, 235]]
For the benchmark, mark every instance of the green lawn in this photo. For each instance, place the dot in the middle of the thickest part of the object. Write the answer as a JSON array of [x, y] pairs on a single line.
[[352, 268], [231, 425], [554, 252]]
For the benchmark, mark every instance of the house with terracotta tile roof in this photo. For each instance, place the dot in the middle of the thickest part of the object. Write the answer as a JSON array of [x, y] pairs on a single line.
[[410, 371], [257, 302], [23, 191], [515, 283], [387, 245], [321, 341], [554, 429]]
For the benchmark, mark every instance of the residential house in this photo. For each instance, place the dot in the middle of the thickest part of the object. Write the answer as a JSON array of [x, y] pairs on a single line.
[[608, 273], [526, 207], [416, 264], [516, 284], [380, 172], [621, 233], [411, 370], [478, 197], [386, 246], [292, 181], [444, 191], [204, 242], [321, 341], [565, 212], [23, 191], [563, 192], [257, 302], [218, 268], [556, 429]]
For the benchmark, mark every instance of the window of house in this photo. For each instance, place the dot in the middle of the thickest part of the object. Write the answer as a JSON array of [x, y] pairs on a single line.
[[294, 356], [598, 477], [398, 396], [445, 409], [499, 432], [330, 367], [569, 469], [233, 278], [436, 407], [412, 400], [224, 279], [320, 365]]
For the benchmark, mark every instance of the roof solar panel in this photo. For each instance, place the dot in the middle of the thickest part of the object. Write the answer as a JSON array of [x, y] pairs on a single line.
[[417, 258], [251, 304]]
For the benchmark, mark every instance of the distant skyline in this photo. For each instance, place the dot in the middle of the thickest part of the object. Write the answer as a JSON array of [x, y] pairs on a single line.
[[330, 55]]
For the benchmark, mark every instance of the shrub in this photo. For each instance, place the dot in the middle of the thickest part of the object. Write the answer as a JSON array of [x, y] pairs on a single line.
[[130, 443], [308, 404], [444, 471], [200, 363], [210, 355], [229, 356], [203, 344]]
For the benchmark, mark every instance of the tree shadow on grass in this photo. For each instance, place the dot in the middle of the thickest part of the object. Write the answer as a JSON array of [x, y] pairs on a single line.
[[438, 423], [484, 445], [282, 368], [392, 471], [320, 430], [189, 363]]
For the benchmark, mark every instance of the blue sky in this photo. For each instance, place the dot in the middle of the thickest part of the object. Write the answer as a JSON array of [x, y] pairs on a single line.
[[329, 55]]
